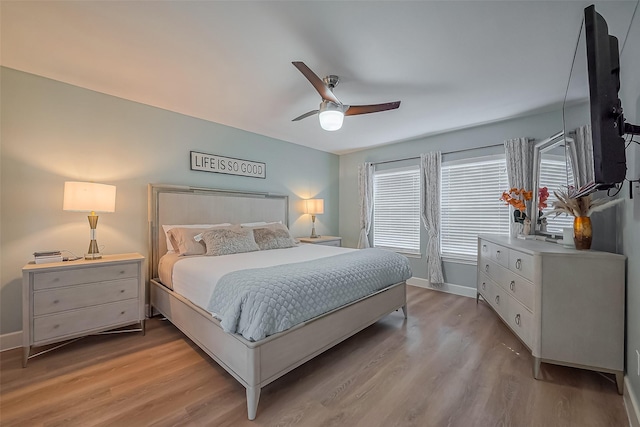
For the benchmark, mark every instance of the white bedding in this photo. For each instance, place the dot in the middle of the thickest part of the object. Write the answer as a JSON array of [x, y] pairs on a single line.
[[196, 277]]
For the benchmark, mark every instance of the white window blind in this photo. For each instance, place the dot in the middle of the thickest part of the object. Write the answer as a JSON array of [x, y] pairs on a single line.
[[470, 204], [553, 175], [396, 209]]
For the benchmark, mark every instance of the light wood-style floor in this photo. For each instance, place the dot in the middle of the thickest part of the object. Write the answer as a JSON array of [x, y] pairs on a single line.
[[452, 363]]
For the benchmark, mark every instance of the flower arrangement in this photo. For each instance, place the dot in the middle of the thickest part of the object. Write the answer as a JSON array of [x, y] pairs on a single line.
[[543, 195], [517, 197], [579, 206]]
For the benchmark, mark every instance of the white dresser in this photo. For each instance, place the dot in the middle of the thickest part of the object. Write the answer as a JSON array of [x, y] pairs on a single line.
[[65, 300], [567, 306]]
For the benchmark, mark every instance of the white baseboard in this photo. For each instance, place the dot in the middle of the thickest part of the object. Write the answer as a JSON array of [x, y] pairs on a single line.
[[631, 403], [10, 341], [449, 288]]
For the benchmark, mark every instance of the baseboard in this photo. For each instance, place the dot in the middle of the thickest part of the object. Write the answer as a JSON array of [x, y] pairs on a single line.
[[631, 403], [10, 341], [449, 288]]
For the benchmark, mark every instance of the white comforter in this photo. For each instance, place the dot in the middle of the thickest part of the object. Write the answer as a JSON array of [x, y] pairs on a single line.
[[196, 277]]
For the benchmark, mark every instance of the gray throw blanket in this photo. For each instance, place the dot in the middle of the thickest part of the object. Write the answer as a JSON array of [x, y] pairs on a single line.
[[263, 301]]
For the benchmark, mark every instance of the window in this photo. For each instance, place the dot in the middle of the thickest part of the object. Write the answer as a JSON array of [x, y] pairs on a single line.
[[396, 209], [553, 173], [470, 204]]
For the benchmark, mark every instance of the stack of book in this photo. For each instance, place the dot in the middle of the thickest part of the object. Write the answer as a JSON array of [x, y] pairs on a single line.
[[47, 256]]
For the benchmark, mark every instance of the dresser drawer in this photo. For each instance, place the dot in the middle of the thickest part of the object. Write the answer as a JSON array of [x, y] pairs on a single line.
[[495, 253], [519, 288], [521, 321], [77, 276], [330, 243], [521, 263], [68, 298], [84, 320]]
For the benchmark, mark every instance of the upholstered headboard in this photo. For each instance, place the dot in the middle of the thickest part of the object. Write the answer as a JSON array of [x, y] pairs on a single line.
[[172, 204]]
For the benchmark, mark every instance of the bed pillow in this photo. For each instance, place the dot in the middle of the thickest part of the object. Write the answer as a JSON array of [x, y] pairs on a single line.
[[166, 229], [273, 236], [229, 240], [184, 242]]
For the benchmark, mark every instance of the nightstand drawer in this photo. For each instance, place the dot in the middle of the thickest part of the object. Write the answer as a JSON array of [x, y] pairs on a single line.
[[77, 321], [78, 276], [68, 298], [330, 243]]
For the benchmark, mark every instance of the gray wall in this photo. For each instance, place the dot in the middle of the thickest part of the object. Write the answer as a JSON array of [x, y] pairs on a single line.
[[630, 212], [477, 139], [52, 132]]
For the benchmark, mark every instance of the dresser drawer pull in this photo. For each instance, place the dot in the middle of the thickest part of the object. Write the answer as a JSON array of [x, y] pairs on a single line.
[[497, 299], [486, 268], [56, 301], [484, 286], [518, 319], [497, 254], [484, 248], [56, 326], [122, 291], [512, 286], [518, 264], [122, 272], [122, 312]]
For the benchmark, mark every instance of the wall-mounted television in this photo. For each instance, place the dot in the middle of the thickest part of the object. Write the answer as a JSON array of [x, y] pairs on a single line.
[[592, 112]]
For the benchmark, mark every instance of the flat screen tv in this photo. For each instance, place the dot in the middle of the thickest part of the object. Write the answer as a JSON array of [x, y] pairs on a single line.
[[592, 112]]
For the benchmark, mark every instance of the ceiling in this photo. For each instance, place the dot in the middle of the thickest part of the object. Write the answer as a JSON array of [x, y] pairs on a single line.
[[453, 64]]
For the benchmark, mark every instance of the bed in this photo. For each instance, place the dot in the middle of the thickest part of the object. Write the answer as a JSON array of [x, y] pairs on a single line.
[[254, 363]]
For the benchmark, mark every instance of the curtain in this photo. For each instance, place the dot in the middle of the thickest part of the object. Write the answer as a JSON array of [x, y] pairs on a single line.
[[430, 172], [519, 157], [365, 188], [581, 156]]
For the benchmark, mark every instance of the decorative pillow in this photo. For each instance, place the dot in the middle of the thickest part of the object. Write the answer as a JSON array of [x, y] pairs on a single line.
[[166, 229], [229, 240], [184, 242], [274, 236]]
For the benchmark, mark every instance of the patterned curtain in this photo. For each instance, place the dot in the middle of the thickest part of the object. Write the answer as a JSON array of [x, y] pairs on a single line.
[[519, 157], [365, 188], [430, 174]]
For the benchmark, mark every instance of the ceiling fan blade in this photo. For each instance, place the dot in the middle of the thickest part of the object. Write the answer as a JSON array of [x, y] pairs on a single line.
[[317, 82], [305, 115], [353, 110]]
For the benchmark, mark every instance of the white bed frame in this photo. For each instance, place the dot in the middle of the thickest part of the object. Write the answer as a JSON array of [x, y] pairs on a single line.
[[253, 364]]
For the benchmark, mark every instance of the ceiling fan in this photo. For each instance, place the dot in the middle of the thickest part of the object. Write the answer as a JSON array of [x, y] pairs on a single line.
[[331, 112]]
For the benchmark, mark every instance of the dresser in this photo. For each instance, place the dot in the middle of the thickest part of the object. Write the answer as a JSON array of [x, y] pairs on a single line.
[[567, 306], [322, 240], [65, 300]]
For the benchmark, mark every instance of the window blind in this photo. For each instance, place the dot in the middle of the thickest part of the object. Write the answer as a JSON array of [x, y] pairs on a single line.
[[470, 204], [396, 209], [553, 175]]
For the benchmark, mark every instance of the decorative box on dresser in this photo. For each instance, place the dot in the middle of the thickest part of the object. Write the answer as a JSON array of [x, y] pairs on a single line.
[[567, 306], [65, 300], [322, 240]]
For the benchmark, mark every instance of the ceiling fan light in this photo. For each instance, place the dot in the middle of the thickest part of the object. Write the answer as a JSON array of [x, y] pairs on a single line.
[[331, 119]]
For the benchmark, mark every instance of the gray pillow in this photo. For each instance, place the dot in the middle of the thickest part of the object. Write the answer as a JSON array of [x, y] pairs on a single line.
[[229, 240], [274, 236]]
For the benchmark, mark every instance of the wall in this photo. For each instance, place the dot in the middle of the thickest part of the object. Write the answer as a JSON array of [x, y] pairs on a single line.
[[630, 218], [477, 141], [53, 132]]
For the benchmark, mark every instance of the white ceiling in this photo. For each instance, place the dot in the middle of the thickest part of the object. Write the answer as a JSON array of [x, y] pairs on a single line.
[[453, 64]]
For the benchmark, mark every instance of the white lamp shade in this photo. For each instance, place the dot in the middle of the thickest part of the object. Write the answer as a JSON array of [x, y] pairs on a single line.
[[88, 197], [331, 119], [314, 206]]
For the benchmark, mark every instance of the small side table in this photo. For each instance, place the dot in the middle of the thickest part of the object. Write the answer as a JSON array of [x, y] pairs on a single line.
[[322, 240]]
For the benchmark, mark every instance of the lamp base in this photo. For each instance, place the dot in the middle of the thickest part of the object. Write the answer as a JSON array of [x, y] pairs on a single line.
[[93, 256], [94, 251]]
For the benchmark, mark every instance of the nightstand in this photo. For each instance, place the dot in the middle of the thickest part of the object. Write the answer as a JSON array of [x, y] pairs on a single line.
[[322, 240], [72, 299]]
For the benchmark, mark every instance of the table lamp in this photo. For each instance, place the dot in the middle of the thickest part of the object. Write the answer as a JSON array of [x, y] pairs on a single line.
[[314, 207], [90, 197]]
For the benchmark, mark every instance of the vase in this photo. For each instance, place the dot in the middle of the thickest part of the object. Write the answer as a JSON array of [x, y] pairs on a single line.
[[582, 232]]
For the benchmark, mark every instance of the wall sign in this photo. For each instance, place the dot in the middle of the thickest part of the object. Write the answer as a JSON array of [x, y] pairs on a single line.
[[220, 164]]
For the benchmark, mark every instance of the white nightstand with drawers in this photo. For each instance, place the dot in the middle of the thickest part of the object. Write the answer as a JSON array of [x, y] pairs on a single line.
[[66, 300], [322, 240]]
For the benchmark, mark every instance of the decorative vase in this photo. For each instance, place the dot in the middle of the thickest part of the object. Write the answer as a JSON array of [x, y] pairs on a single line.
[[582, 232]]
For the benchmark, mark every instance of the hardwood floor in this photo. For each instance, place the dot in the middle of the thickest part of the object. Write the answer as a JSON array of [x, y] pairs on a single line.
[[452, 363]]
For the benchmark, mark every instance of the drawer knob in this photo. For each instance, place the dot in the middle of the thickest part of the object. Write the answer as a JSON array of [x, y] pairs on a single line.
[[512, 285], [497, 254], [486, 268], [518, 263], [497, 299], [484, 248], [56, 326], [122, 312], [55, 301], [122, 272], [122, 291], [518, 319], [484, 286]]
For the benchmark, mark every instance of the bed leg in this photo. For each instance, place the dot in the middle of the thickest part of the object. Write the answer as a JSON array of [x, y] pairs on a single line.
[[253, 396], [404, 310]]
